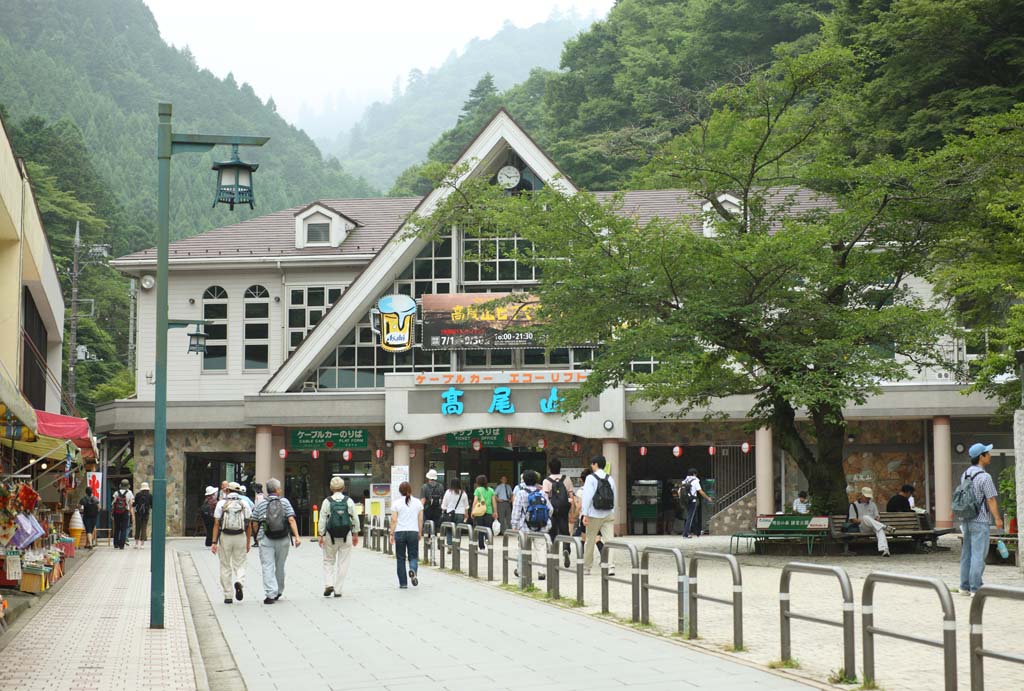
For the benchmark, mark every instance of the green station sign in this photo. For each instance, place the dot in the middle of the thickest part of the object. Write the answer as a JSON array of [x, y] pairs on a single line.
[[328, 438], [489, 436]]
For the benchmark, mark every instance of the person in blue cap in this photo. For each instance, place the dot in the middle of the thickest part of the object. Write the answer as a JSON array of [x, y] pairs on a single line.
[[976, 529]]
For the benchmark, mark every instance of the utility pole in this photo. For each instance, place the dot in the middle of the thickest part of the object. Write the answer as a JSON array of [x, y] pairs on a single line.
[[73, 349], [131, 325]]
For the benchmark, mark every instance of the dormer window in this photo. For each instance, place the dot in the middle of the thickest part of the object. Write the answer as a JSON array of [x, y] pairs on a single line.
[[318, 225], [712, 217]]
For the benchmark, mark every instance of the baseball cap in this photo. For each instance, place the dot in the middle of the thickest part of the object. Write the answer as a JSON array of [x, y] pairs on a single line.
[[978, 449]]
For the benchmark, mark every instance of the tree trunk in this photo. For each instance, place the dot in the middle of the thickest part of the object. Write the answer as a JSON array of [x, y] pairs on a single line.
[[823, 465]]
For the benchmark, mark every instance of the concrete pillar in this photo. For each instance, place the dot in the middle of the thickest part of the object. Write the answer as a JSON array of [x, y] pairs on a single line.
[[417, 466], [942, 445], [276, 462], [764, 471], [1018, 449], [264, 453], [610, 450], [401, 453]]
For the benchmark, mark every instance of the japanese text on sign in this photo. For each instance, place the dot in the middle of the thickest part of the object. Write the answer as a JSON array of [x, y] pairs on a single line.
[[329, 438]]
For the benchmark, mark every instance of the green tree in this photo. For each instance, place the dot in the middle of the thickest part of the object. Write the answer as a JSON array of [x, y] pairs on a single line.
[[479, 96]]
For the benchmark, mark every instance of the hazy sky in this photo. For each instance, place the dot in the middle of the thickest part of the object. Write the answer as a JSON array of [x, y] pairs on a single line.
[[304, 51]]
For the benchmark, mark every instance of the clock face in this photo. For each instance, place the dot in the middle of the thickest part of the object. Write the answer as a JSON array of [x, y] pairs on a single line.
[[508, 177]]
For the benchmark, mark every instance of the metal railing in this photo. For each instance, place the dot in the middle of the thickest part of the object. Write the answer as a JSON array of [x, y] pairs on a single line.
[[447, 529], [948, 642], [429, 550], [786, 616], [634, 576], [505, 558], [555, 567], [737, 594], [461, 530], [388, 547], [679, 591], [526, 562], [977, 646], [474, 552], [724, 501]]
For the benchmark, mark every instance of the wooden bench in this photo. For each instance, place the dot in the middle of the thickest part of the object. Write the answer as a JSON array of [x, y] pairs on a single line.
[[906, 526], [769, 527], [993, 557]]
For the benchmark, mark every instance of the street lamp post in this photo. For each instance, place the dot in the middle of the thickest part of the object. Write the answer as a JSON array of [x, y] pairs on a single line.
[[169, 143]]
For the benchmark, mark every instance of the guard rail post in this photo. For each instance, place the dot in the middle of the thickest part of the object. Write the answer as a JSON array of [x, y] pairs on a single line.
[[386, 536], [474, 552], [505, 559], [978, 651], [737, 594], [948, 642], [447, 528], [428, 543], [634, 577], [460, 530], [679, 591], [366, 535], [526, 562], [785, 616], [554, 572]]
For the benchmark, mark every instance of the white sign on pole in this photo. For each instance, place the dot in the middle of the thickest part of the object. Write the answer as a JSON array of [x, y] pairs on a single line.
[[399, 474]]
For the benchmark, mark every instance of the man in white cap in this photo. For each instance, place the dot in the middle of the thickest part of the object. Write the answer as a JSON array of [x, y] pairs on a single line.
[[864, 514], [432, 493], [976, 516], [232, 539]]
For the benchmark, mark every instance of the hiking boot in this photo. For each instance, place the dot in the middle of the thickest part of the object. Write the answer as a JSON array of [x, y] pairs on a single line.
[[565, 557], [269, 600], [228, 601], [413, 578], [238, 592], [328, 591], [404, 587]]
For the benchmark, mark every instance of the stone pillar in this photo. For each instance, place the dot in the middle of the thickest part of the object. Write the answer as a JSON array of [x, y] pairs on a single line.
[[764, 471], [610, 450], [1018, 452], [264, 453], [400, 452], [417, 466], [942, 448], [276, 462]]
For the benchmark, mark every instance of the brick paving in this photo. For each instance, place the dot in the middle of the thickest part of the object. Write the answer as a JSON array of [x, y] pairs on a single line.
[[94, 635]]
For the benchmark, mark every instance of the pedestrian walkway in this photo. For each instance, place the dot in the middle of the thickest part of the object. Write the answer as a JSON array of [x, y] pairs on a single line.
[[94, 635], [448, 633]]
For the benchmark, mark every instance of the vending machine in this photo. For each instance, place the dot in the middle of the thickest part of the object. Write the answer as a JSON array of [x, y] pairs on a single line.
[[643, 508]]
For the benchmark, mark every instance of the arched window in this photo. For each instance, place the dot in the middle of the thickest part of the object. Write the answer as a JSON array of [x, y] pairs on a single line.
[[215, 312], [256, 327]]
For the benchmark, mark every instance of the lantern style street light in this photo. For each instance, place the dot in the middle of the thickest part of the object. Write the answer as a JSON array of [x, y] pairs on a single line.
[[230, 175]]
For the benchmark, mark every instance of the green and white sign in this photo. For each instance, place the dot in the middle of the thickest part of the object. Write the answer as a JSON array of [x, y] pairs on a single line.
[[791, 523], [489, 436], [329, 438]]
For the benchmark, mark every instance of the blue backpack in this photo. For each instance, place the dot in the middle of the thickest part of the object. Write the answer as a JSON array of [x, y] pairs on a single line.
[[537, 515]]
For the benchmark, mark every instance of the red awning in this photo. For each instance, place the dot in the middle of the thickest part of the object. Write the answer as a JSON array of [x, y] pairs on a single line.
[[75, 429]]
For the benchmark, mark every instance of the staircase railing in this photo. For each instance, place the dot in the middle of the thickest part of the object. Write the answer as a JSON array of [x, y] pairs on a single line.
[[734, 495]]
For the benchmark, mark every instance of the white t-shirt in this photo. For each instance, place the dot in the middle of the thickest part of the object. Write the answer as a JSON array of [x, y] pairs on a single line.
[[694, 484], [407, 514], [455, 502]]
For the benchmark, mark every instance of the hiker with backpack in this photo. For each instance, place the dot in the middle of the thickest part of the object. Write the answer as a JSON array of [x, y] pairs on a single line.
[[531, 509], [690, 493], [121, 513], [975, 504], [206, 509], [275, 520], [599, 497], [232, 539], [338, 529], [560, 493], [432, 494], [90, 508], [141, 506]]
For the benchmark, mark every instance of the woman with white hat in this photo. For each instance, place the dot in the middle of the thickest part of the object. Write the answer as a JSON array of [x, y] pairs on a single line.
[[208, 506], [142, 505]]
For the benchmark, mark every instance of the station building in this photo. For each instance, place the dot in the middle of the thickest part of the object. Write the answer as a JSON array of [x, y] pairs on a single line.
[[296, 382]]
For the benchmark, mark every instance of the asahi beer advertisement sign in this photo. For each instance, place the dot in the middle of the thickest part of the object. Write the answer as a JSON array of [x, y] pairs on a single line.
[[478, 320]]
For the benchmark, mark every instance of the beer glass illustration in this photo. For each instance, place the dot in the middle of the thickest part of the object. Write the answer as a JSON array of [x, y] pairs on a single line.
[[392, 320]]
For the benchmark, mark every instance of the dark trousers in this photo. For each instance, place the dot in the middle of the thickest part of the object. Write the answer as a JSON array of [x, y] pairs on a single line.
[[407, 548], [559, 526], [485, 521], [121, 523], [692, 518], [141, 523], [432, 515], [208, 525]]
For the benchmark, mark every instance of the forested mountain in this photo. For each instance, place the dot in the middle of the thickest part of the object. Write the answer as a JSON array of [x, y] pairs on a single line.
[[392, 136]]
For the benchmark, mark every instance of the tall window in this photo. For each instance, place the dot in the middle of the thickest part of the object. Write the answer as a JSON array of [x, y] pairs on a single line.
[[215, 313], [497, 260], [306, 307], [256, 327]]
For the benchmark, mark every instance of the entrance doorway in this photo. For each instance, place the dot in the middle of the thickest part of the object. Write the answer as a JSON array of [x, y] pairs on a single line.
[[307, 480], [204, 470]]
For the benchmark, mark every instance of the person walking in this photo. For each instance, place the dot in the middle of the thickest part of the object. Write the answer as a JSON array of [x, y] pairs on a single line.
[[531, 511], [232, 540], [432, 494], [691, 493], [206, 510], [863, 514], [338, 528], [578, 529], [275, 519], [90, 508], [121, 512], [485, 508], [599, 497], [406, 532], [975, 517], [559, 491], [142, 505], [454, 507], [503, 495]]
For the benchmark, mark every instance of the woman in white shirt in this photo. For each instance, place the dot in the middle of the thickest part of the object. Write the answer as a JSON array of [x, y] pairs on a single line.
[[454, 507], [406, 532]]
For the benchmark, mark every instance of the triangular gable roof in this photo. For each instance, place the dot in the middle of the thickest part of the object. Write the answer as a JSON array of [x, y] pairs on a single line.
[[322, 205], [380, 273]]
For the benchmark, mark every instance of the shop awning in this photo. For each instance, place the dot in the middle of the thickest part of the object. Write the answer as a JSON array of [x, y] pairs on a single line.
[[74, 429], [15, 411]]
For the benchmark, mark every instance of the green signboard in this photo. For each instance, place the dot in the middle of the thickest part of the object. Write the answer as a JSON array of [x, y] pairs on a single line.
[[791, 523], [490, 436], [329, 438]]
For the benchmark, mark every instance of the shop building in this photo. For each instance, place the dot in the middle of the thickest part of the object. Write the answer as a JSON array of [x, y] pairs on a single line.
[[307, 373]]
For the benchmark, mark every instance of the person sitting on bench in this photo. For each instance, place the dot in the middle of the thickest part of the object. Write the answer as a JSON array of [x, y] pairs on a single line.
[[863, 517], [901, 503]]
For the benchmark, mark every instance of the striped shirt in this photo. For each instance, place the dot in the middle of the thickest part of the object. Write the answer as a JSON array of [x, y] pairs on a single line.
[[984, 489], [259, 514]]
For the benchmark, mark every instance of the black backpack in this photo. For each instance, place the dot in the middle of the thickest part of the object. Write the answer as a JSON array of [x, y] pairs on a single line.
[[604, 497], [90, 507], [435, 494], [143, 502], [276, 525], [559, 497]]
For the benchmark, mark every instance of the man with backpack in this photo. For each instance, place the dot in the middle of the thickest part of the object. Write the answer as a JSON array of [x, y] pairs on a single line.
[[232, 539], [560, 493], [275, 519], [121, 512], [974, 503], [690, 495], [599, 497], [431, 494], [531, 509], [338, 529]]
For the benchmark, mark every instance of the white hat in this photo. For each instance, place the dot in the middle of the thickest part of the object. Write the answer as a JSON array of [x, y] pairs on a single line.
[[431, 474], [234, 487], [145, 485], [210, 490], [867, 492]]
